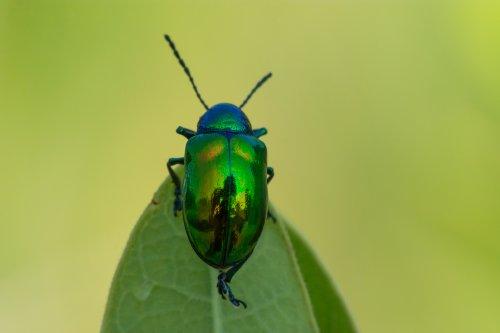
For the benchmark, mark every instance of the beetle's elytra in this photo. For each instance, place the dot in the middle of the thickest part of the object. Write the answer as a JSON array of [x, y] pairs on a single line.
[[223, 196]]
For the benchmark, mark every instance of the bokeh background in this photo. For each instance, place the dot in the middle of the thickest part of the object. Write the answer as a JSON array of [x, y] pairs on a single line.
[[384, 131]]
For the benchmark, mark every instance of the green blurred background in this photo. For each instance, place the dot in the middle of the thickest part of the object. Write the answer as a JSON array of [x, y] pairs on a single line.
[[384, 131]]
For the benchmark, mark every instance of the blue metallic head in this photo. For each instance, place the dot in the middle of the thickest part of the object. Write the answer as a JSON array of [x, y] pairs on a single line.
[[224, 117]]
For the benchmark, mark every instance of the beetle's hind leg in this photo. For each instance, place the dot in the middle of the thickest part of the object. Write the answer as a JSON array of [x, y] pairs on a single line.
[[225, 290], [177, 182], [223, 284], [271, 216]]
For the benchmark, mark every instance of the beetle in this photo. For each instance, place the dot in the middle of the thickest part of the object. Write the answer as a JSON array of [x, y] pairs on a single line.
[[223, 194]]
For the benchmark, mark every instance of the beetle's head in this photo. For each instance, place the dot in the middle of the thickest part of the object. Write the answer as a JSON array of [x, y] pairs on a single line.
[[224, 117]]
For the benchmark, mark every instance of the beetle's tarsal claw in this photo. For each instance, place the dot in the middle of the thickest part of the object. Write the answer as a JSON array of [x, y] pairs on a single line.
[[225, 291], [237, 302]]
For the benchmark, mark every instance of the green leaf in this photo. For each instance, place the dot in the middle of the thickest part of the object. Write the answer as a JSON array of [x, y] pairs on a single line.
[[160, 284]]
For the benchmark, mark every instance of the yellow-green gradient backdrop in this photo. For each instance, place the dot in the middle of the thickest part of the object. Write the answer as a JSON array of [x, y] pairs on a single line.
[[384, 131]]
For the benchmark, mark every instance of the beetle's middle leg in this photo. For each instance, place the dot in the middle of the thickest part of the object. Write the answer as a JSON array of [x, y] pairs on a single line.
[[270, 175], [177, 182]]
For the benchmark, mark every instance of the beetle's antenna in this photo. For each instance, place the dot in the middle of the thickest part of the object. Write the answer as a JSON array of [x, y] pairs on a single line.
[[186, 69], [257, 86]]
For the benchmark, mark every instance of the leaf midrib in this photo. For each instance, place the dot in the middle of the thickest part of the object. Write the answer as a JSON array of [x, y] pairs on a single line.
[[216, 309]]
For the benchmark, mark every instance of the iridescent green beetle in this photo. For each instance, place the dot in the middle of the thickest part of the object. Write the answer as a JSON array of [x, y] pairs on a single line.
[[223, 196]]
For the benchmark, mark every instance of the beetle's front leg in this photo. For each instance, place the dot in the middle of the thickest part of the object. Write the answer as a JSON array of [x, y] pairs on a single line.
[[177, 182], [270, 175], [259, 132], [185, 132]]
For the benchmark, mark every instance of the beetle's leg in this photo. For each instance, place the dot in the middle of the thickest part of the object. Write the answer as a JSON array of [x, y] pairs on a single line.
[[187, 133], [223, 284], [270, 175], [225, 290], [232, 271], [177, 182], [259, 132], [271, 216]]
